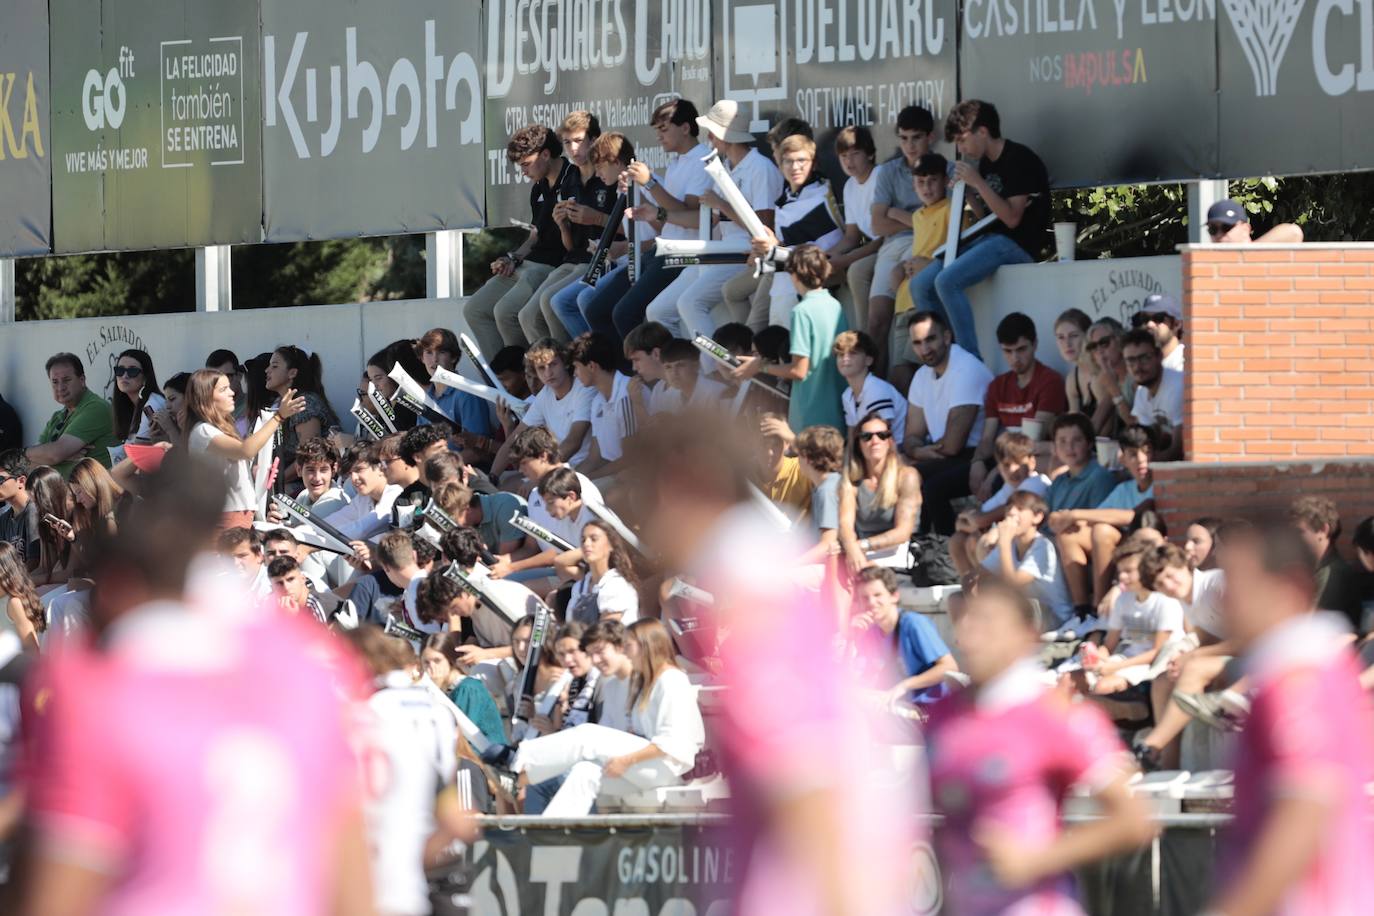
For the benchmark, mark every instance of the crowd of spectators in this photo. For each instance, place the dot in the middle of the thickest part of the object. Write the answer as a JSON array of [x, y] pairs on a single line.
[[874, 430]]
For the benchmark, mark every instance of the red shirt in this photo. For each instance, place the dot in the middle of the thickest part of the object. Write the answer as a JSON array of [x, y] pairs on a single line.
[[1010, 403]]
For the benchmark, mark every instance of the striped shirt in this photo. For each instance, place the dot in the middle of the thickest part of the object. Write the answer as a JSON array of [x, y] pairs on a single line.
[[613, 418], [808, 215], [876, 395]]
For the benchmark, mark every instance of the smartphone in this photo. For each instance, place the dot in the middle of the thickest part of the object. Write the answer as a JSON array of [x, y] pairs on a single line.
[[53, 520], [148, 411]]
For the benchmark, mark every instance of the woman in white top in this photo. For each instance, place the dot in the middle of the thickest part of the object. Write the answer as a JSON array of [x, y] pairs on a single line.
[[210, 414], [667, 735], [607, 589], [136, 397]]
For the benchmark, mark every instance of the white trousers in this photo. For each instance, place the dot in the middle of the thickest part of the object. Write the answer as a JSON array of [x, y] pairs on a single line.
[[700, 299], [581, 752], [782, 299], [663, 308]]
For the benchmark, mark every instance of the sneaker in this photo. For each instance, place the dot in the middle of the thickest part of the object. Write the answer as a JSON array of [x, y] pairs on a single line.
[[1147, 757], [1224, 710], [499, 756], [1087, 625]]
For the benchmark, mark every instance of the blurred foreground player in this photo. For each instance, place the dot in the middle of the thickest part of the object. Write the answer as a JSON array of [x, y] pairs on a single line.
[[823, 834], [1301, 841], [189, 759], [1003, 753]]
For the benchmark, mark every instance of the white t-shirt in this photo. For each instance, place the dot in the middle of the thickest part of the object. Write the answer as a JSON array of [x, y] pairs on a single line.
[[611, 594], [145, 426], [242, 497], [412, 610], [1175, 360], [761, 184], [570, 529], [613, 418], [415, 737], [965, 382], [661, 398], [363, 519], [1048, 585], [858, 203], [1204, 611], [1168, 400], [559, 414], [1036, 483], [707, 394], [878, 395], [1139, 620], [685, 176]]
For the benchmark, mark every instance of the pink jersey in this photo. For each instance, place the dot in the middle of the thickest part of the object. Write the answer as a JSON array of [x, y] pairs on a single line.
[[199, 759], [1310, 735], [793, 725], [1005, 756]]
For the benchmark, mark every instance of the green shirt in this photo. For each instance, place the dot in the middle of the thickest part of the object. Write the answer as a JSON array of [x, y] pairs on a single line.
[[92, 422], [472, 698], [816, 400]]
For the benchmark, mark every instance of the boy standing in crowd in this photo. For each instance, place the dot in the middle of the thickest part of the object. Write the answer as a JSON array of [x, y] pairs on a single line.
[[493, 312], [1011, 183]]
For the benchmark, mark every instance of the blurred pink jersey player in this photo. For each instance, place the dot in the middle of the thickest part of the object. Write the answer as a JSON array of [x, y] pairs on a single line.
[[1309, 735], [200, 764], [817, 828], [1006, 757]]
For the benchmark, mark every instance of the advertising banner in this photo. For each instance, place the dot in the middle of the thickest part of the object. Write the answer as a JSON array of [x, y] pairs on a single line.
[[25, 218], [1105, 91], [837, 62], [619, 60], [1297, 86], [372, 117], [155, 123]]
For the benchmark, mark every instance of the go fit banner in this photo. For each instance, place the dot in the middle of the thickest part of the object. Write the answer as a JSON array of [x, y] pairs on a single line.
[[156, 119]]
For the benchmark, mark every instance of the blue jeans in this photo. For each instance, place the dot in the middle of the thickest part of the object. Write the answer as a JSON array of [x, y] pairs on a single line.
[[569, 303], [624, 311], [936, 289], [539, 794], [598, 304]]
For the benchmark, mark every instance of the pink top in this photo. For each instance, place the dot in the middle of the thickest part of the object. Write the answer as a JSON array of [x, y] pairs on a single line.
[[1310, 735], [1005, 755], [197, 758], [792, 725]]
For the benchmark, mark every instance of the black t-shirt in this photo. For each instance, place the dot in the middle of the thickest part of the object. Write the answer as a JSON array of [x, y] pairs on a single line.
[[11, 427], [563, 184], [22, 531], [1019, 171], [595, 194]]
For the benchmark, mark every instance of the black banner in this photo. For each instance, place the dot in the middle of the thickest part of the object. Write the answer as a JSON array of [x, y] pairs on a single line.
[[156, 124], [1105, 91], [1297, 86], [25, 175], [629, 870], [687, 870], [837, 62], [617, 59], [372, 117]]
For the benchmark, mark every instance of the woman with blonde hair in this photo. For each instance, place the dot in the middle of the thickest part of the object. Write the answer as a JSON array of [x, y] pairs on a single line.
[[880, 499], [95, 495], [210, 414], [667, 734], [23, 611]]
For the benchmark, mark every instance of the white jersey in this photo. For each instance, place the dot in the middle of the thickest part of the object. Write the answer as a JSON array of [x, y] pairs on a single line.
[[407, 756]]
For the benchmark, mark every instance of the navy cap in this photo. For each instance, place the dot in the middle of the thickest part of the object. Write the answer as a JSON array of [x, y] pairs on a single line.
[[1228, 212]]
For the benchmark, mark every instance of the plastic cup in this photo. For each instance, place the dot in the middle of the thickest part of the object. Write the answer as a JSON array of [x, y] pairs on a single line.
[[1065, 240], [1107, 452], [1033, 428]]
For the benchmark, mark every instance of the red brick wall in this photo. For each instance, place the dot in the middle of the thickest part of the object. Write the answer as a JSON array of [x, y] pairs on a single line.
[[1186, 490], [1280, 376], [1280, 352]]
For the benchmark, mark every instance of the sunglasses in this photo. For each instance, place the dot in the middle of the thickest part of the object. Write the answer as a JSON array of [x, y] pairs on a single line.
[[1096, 345], [127, 371], [1218, 228], [1140, 319], [882, 436]]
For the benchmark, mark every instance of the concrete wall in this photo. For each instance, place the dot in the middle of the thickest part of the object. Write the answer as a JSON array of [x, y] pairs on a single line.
[[345, 335]]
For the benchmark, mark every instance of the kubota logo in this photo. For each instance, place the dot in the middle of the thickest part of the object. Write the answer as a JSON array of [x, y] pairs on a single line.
[[103, 96]]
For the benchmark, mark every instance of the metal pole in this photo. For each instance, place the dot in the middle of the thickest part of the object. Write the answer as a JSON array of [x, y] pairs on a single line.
[[6, 290], [214, 280], [444, 264], [1201, 196]]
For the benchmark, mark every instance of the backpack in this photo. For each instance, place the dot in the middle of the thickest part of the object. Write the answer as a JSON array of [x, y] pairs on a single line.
[[930, 561]]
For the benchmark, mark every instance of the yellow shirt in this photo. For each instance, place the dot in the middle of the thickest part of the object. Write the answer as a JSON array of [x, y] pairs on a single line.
[[790, 487], [930, 228]]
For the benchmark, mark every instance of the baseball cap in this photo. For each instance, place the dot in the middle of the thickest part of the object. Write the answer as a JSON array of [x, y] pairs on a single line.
[[1158, 304], [1228, 212]]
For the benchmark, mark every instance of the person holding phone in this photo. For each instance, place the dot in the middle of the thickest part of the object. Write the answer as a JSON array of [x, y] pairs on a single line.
[[210, 411], [137, 397]]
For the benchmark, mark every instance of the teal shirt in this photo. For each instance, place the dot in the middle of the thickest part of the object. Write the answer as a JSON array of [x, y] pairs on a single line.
[[1085, 491], [472, 698], [816, 400]]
